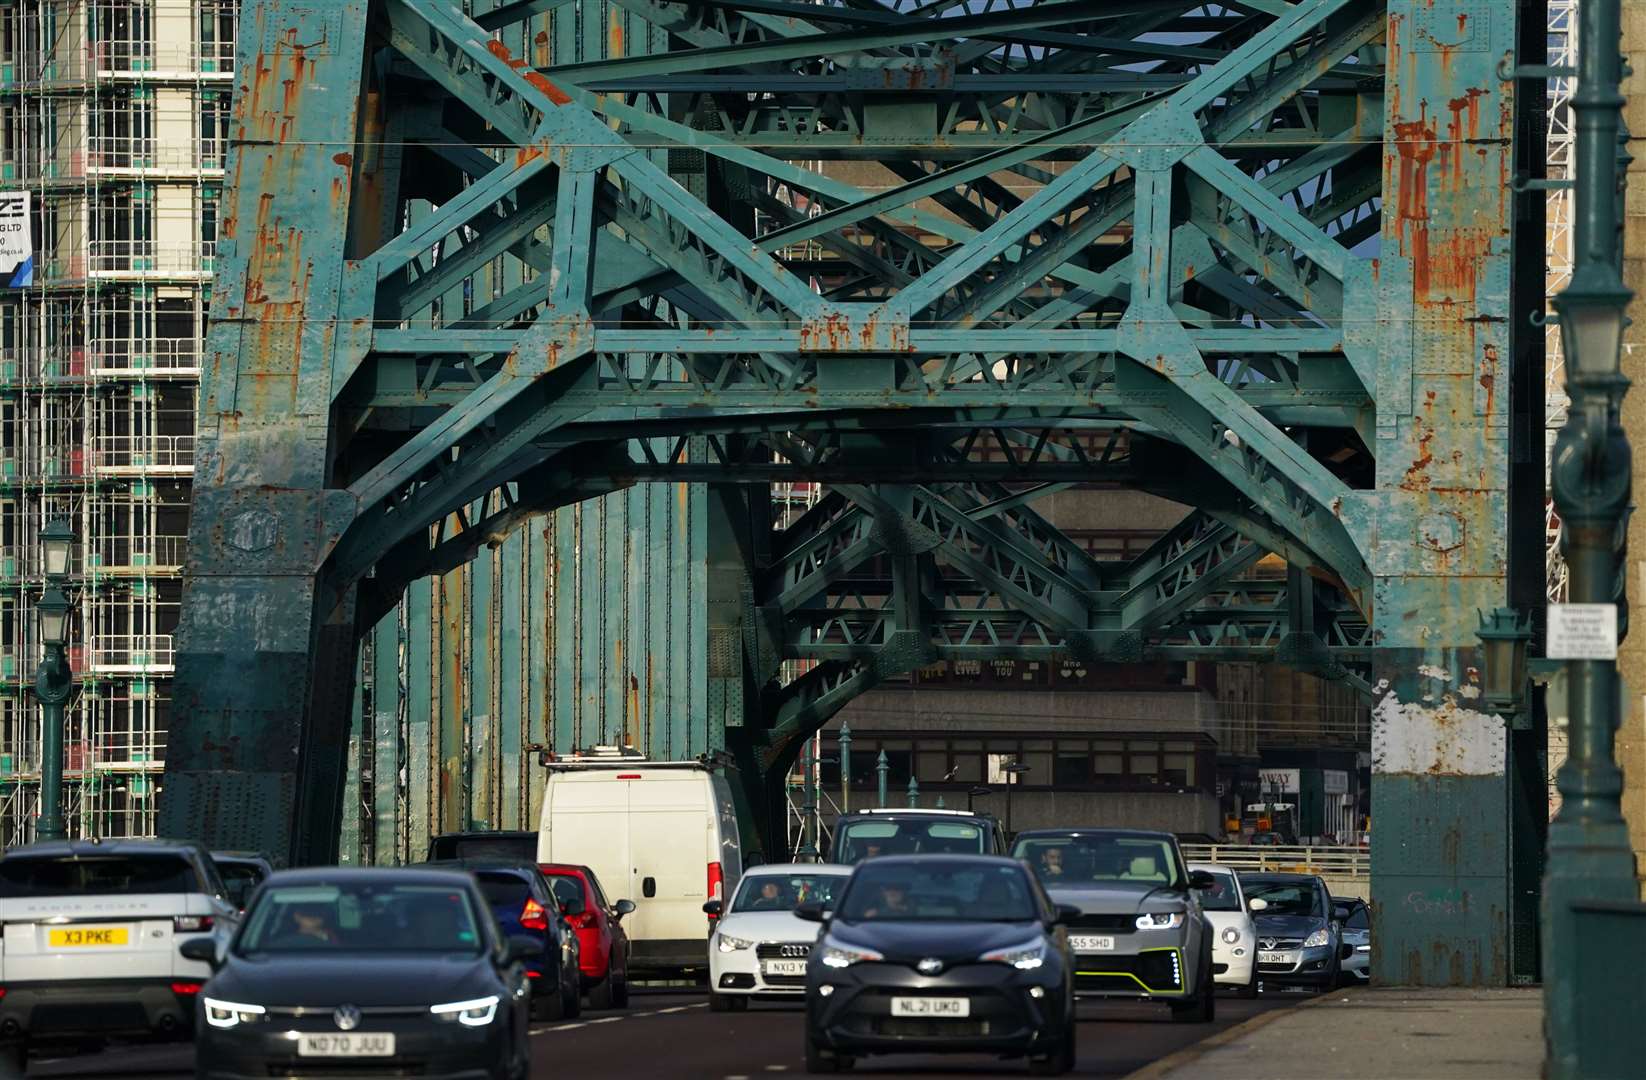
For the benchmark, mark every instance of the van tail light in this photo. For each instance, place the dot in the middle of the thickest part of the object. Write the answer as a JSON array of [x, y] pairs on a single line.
[[532, 916], [191, 924], [185, 988], [717, 884]]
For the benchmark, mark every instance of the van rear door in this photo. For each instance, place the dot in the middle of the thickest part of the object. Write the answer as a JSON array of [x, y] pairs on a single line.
[[673, 844], [586, 823]]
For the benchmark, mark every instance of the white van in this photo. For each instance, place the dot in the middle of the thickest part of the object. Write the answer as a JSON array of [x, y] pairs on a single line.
[[662, 834]]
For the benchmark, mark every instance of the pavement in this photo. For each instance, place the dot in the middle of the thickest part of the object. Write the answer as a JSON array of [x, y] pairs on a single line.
[[1375, 1034]]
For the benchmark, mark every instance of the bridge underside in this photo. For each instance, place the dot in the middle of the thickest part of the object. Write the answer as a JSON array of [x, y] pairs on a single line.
[[945, 258]]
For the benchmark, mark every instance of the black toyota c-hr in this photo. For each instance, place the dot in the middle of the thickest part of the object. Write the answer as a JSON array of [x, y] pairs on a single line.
[[400, 972], [940, 953]]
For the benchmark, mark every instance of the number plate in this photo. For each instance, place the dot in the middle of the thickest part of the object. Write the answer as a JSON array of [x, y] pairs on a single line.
[[932, 1006], [785, 967], [1090, 943], [73, 937], [1276, 958], [352, 1045]]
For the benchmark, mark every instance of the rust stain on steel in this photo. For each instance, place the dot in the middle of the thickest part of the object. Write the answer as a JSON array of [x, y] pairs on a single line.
[[614, 35], [553, 92]]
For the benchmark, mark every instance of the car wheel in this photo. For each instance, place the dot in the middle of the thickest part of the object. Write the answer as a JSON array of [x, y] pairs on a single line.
[[1202, 1008], [600, 994], [1060, 1060], [821, 1062], [548, 1006], [573, 1001], [620, 988], [1248, 991], [15, 1056]]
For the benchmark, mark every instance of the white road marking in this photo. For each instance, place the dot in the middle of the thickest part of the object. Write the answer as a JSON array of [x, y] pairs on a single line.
[[608, 1020], [777, 1068]]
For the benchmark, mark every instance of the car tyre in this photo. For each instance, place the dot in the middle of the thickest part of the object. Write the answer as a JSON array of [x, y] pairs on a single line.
[[1059, 1061], [620, 988], [600, 994], [15, 1056], [1202, 1008], [719, 1002], [1248, 991], [571, 1002], [821, 1062]]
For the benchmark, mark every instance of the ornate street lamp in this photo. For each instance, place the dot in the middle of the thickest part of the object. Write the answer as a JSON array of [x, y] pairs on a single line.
[[1505, 638], [53, 680]]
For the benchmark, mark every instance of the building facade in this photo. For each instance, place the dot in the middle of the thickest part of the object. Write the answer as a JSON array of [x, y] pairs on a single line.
[[114, 118]]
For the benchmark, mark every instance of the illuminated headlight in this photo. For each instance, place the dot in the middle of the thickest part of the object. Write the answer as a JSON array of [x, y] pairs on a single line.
[[1363, 948], [477, 1012], [1025, 957], [840, 956], [732, 944], [1231, 934], [227, 1014], [1317, 939], [1160, 920]]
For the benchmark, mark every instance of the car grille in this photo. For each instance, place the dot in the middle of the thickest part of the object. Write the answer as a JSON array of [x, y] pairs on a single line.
[[1157, 970], [771, 950], [1114, 924], [1283, 944], [324, 1012], [905, 1027]]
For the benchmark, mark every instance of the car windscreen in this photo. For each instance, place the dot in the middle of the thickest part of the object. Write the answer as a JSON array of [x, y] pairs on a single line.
[[97, 875], [1221, 894], [910, 836], [503, 890], [1081, 859], [1360, 919], [375, 916], [882, 891], [1285, 897], [785, 892], [568, 891]]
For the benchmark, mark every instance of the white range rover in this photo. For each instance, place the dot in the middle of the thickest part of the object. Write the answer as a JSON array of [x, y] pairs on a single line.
[[91, 931]]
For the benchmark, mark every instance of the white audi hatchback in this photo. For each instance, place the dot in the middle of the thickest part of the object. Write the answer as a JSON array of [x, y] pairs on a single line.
[[758, 947]]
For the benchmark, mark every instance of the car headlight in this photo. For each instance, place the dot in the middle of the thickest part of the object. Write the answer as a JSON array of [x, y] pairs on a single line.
[[1231, 934], [1363, 948], [843, 956], [1025, 957], [1318, 938], [476, 1012], [732, 944], [1160, 920], [227, 1014]]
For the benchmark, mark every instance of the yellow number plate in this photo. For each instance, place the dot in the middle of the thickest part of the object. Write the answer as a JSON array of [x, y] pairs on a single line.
[[87, 935]]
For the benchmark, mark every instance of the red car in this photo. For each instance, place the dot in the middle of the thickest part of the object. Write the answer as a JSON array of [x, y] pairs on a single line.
[[604, 963]]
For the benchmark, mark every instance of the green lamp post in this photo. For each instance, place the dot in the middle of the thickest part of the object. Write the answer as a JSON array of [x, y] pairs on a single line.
[[53, 680], [1589, 880]]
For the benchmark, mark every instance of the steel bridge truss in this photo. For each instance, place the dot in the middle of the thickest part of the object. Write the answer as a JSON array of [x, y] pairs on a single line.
[[946, 257]]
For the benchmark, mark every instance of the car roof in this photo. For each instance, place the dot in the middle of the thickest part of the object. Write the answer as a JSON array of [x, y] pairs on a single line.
[[1264, 875], [1214, 868], [480, 863], [1142, 834], [941, 857], [238, 856], [93, 846], [777, 869], [352, 875], [915, 811]]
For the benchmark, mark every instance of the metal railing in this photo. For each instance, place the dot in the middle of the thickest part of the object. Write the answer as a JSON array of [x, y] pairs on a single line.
[[133, 652], [148, 354], [143, 453], [1344, 863]]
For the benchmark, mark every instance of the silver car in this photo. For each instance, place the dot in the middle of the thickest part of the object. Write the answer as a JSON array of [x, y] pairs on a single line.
[[1140, 931], [1357, 932]]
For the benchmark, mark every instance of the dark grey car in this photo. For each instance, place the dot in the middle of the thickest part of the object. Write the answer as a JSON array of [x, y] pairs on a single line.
[[1140, 932], [1299, 942]]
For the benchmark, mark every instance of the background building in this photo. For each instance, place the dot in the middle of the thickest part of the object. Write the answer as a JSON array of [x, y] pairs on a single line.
[[114, 116]]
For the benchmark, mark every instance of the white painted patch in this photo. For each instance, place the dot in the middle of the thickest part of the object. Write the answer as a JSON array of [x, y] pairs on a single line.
[[1448, 739], [1431, 672]]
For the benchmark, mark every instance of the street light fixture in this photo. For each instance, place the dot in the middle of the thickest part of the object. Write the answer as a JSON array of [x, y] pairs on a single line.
[[1591, 316], [53, 680], [1505, 638]]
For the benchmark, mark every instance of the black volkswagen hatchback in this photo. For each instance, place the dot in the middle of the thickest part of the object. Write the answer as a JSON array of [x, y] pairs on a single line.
[[400, 972], [940, 953]]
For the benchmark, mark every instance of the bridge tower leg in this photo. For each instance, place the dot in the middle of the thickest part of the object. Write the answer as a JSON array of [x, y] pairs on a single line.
[[264, 644], [1436, 539]]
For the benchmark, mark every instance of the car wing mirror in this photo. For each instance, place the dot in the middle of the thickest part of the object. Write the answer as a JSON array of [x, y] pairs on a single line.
[[1063, 914], [712, 909], [1201, 879], [200, 949], [622, 908], [811, 911], [1257, 903]]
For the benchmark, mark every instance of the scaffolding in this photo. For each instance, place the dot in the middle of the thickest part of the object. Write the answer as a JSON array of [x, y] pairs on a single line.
[[114, 116], [1558, 148]]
